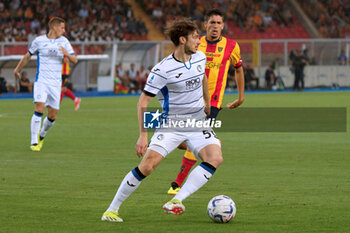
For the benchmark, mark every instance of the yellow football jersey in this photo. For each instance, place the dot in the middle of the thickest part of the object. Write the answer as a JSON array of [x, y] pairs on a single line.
[[219, 55]]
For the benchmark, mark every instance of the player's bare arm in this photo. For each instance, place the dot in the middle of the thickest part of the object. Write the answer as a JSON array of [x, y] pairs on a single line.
[[206, 95], [142, 142], [72, 58], [25, 59], [239, 75]]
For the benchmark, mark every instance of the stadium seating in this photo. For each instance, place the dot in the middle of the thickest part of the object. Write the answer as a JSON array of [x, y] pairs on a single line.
[[233, 30]]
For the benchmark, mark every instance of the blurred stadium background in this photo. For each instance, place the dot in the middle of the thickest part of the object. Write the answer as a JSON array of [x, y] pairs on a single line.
[[108, 33]]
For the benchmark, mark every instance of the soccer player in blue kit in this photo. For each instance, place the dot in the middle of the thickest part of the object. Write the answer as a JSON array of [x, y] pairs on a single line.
[[50, 50], [178, 79]]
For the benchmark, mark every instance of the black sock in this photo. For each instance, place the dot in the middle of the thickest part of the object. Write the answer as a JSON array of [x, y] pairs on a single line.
[[174, 185]]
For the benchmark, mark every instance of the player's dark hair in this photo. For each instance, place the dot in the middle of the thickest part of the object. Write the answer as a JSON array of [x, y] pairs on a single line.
[[213, 12], [182, 27], [54, 21]]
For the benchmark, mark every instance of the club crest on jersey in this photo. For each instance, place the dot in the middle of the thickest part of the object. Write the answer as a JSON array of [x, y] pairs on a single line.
[[199, 68], [220, 49]]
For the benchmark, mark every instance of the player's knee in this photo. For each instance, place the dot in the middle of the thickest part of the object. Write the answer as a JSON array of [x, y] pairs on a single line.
[[39, 107], [146, 168], [219, 159], [216, 158], [52, 117], [52, 113]]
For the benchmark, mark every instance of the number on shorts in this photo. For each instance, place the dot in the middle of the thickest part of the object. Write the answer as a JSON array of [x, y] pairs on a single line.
[[208, 134]]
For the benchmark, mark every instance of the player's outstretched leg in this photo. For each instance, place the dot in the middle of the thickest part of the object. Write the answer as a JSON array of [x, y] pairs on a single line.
[[34, 128], [129, 184], [47, 124], [197, 178], [132, 181], [187, 163], [174, 206], [212, 157], [111, 216], [40, 142], [77, 103]]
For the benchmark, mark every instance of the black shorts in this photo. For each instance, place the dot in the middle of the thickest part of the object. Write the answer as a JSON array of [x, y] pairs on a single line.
[[214, 111], [65, 81]]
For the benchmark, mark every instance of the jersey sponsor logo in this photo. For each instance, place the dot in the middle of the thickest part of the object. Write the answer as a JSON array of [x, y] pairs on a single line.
[[193, 83], [213, 65], [156, 70], [178, 76], [206, 177], [52, 52], [212, 54]]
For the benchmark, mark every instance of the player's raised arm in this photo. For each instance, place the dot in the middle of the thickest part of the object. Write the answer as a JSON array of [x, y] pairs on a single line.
[[24, 61], [206, 95], [142, 142]]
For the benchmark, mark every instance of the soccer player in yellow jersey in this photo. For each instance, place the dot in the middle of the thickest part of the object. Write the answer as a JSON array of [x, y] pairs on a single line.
[[220, 52]]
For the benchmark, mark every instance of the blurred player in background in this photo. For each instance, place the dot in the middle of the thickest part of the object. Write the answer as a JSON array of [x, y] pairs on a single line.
[[178, 78], [219, 51], [24, 84], [65, 83], [50, 49]]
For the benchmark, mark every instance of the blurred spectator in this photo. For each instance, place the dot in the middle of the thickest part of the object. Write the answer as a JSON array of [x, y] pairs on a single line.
[[24, 83], [267, 20], [287, 15], [35, 25], [270, 77], [84, 12], [142, 75], [31, 36], [119, 88], [306, 55], [3, 82], [249, 76], [342, 59], [122, 75], [299, 63], [133, 79]]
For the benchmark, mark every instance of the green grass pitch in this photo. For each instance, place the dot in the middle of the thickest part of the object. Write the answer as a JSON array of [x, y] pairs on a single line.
[[280, 182]]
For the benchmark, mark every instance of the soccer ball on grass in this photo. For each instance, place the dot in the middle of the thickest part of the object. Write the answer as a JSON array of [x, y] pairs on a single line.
[[221, 209]]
